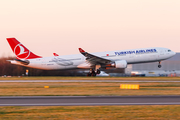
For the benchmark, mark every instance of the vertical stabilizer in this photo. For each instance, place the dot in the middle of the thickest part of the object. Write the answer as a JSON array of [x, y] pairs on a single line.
[[20, 50]]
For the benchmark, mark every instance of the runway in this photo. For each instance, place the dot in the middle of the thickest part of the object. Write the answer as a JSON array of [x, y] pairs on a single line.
[[89, 81], [88, 100]]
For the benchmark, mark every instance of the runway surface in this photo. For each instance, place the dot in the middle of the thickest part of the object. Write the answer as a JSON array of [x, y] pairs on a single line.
[[88, 100], [117, 81]]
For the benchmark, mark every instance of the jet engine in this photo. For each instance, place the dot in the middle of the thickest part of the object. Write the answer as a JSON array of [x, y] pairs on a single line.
[[120, 64]]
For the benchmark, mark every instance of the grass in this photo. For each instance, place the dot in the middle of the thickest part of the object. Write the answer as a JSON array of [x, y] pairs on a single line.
[[87, 89], [167, 112], [90, 78], [92, 113]]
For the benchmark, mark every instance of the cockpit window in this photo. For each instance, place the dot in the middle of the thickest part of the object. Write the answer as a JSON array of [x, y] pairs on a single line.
[[169, 50]]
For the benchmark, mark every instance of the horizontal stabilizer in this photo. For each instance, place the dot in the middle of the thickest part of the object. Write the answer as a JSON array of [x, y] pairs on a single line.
[[17, 61], [25, 62]]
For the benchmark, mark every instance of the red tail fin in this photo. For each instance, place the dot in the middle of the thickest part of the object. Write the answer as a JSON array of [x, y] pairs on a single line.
[[20, 50]]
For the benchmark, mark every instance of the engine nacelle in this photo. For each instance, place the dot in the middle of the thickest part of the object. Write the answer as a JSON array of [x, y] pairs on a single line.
[[120, 64]]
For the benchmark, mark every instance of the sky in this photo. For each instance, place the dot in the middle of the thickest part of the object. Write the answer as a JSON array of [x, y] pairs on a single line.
[[63, 26]]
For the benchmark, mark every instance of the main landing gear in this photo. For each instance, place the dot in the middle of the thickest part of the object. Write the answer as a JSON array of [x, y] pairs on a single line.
[[92, 72], [159, 66]]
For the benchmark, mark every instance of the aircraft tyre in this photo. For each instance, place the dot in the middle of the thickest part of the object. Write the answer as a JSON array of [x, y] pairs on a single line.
[[94, 74], [98, 71], [159, 66], [91, 73]]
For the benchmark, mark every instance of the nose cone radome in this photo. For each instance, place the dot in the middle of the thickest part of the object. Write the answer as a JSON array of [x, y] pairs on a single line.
[[173, 53]]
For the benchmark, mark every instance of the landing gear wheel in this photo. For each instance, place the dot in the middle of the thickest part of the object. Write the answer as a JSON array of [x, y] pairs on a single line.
[[98, 71], [89, 74], [159, 66], [93, 73]]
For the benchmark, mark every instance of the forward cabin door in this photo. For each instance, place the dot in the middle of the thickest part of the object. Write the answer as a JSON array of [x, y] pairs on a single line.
[[131, 58], [160, 54]]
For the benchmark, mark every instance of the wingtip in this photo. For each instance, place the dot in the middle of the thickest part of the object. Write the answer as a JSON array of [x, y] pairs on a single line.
[[81, 50], [55, 54]]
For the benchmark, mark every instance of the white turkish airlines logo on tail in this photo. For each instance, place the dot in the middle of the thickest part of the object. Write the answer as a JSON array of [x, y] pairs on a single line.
[[21, 52]]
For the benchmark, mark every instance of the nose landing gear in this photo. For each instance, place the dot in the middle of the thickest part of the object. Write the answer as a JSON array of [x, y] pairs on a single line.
[[159, 66]]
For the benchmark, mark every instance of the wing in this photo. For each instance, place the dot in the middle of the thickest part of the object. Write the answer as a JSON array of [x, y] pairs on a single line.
[[94, 59]]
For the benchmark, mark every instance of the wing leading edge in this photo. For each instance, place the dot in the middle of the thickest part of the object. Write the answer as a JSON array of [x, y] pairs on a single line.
[[94, 60]]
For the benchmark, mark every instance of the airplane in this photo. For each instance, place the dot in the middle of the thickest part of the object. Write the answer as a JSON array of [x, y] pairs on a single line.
[[94, 62]]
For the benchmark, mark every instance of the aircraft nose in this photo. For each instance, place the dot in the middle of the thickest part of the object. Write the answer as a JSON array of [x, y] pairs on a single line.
[[173, 53]]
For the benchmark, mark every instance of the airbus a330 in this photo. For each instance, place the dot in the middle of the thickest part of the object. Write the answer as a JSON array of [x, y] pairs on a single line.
[[85, 60]]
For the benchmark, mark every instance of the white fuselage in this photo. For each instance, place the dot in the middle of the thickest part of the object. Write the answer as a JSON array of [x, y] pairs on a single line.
[[132, 56]]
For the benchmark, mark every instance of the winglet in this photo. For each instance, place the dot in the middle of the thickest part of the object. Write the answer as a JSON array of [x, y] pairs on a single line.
[[55, 54], [81, 50]]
